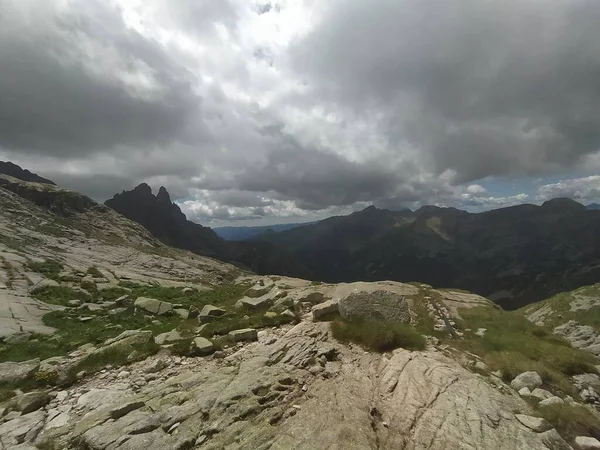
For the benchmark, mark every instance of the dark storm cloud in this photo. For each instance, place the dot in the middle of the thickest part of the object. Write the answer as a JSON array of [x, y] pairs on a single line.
[[317, 179], [494, 87], [79, 81]]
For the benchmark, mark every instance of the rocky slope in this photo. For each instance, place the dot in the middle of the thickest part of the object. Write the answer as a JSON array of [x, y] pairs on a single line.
[[111, 340]]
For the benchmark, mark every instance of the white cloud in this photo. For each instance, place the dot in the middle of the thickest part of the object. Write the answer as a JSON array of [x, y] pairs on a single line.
[[585, 190]]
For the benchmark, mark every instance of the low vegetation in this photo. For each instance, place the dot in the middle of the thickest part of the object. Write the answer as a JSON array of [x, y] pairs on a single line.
[[378, 336], [513, 345], [572, 420], [49, 268], [94, 272]]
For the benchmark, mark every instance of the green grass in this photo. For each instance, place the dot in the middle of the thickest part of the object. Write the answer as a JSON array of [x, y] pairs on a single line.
[[48, 268], [238, 321], [378, 336], [561, 305], [59, 295], [572, 420], [513, 345]]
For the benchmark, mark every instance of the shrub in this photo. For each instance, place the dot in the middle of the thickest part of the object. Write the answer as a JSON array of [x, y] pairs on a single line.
[[48, 268], [378, 336]]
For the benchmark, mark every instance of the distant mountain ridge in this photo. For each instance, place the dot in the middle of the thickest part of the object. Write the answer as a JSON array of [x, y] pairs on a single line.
[[513, 255], [8, 168], [247, 233]]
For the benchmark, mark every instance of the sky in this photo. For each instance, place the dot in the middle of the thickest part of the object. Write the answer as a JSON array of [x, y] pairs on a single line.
[[261, 112]]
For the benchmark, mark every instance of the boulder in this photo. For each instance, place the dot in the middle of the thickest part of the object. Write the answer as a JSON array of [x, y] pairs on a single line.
[[202, 346], [551, 401], [530, 380], [536, 424], [246, 334], [255, 304], [481, 332], [325, 310], [289, 314], [193, 312], [29, 402], [376, 305], [525, 392], [153, 306], [210, 313], [258, 290], [541, 394], [587, 443], [124, 300], [168, 338], [15, 372]]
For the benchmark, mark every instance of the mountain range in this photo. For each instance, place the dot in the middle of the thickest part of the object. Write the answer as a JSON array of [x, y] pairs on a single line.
[[514, 256]]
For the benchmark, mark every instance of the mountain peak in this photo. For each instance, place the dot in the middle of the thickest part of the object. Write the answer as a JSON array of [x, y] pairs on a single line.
[[143, 188], [13, 170], [563, 204], [163, 195]]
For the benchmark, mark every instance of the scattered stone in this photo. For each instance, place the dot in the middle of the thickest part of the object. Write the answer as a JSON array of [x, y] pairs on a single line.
[[210, 313], [587, 443], [123, 374], [193, 312], [530, 379], [86, 319], [124, 300], [255, 304], [202, 346], [325, 310], [258, 290], [525, 392], [185, 290], [173, 427], [551, 401], [288, 313], [183, 313], [271, 315], [168, 338], [534, 423], [480, 365], [481, 332], [126, 408], [15, 372], [74, 303], [154, 306], [541, 394], [246, 334]]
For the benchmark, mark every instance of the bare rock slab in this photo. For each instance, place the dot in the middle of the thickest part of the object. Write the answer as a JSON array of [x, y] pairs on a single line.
[[536, 424]]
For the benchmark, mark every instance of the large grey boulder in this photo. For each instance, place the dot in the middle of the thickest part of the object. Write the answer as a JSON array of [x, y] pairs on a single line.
[[325, 310], [256, 304], [376, 305], [259, 290], [153, 306], [554, 400], [15, 372], [29, 402], [529, 380]]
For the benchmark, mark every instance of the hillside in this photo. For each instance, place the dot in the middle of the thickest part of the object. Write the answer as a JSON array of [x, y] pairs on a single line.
[[514, 255], [112, 340]]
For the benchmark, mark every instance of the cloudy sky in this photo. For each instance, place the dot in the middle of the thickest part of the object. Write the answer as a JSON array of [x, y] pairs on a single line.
[[253, 112]]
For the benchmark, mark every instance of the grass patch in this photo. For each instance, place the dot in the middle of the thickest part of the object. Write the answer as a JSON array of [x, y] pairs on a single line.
[[236, 322], [378, 336], [572, 420], [513, 345], [48, 268], [59, 295]]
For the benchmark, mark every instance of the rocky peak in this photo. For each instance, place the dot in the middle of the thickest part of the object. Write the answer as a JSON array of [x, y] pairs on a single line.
[[11, 169], [163, 196], [563, 205]]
